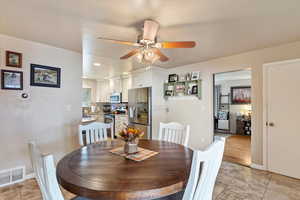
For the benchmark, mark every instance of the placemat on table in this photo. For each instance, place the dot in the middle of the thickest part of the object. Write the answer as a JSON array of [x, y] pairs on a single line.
[[142, 153]]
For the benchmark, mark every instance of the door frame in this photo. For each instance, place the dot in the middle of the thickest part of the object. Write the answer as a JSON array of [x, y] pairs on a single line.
[[266, 146], [253, 100]]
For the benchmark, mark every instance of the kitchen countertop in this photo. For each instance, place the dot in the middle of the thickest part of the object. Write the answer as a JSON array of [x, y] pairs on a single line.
[[86, 120], [99, 117]]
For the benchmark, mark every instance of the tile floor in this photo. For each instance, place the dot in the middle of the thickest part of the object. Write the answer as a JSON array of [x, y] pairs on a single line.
[[234, 182]]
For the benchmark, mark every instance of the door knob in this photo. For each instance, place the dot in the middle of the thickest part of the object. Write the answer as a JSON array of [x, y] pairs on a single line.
[[271, 124]]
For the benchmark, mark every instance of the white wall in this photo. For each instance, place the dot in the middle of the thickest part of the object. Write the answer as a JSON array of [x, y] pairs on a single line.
[[227, 84], [50, 116], [158, 102], [199, 113]]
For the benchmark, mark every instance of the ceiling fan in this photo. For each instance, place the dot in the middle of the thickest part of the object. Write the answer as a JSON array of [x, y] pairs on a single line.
[[148, 49]]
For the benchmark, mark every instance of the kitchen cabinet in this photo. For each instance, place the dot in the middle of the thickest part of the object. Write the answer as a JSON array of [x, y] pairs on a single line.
[[103, 91], [126, 85], [152, 77], [142, 79], [115, 85]]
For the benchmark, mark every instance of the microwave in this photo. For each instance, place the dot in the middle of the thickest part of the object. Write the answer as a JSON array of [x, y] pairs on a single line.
[[116, 98]]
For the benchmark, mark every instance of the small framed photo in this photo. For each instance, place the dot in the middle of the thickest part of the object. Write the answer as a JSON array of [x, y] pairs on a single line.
[[182, 78], [45, 76], [188, 76], [195, 89], [195, 76], [169, 93], [13, 59], [11, 80], [173, 78]]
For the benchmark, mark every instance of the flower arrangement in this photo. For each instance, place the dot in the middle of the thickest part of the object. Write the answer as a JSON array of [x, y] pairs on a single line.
[[129, 134]]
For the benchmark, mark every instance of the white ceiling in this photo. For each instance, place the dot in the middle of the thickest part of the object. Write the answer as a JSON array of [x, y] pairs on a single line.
[[220, 28]]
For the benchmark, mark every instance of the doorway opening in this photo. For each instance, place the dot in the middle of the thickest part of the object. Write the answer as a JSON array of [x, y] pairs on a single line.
[[232, 114]]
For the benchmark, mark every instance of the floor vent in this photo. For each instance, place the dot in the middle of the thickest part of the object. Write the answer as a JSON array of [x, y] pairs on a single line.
[[11, 176]]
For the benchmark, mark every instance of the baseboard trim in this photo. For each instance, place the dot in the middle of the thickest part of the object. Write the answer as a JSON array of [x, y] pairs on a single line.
[[29, 176], [256, 166]]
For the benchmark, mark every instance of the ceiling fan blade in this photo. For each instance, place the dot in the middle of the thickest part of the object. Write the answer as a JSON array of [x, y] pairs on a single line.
[[183, 44], [150, 30], [131, 53], [120, 41], [162, 57]]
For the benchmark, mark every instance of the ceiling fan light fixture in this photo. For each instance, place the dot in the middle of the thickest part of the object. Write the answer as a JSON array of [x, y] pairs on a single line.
[[148, 50], [146, 56]]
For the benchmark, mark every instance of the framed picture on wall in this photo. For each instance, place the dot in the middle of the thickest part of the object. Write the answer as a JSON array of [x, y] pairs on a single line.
[[173, 78], [13, 59], [195, 76], [195, 89], [11, 80], [45, 76], [241, 95]]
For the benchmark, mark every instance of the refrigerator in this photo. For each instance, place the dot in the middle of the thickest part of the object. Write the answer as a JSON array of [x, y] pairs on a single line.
[[139, 110]]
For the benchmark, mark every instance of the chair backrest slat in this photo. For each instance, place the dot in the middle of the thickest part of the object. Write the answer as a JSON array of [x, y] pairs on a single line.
[[94, 132], [45, 173], [201, 182], [174, 132]]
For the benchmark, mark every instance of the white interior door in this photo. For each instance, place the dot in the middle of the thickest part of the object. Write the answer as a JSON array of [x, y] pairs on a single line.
[[283, 116]]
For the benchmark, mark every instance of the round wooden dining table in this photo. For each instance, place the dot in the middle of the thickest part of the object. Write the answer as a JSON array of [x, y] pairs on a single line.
[[95, 173]]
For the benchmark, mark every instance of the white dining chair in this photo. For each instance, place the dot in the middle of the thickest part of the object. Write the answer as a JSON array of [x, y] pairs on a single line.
[[174, 132], [45, 173], [94, 132], [204, 171]]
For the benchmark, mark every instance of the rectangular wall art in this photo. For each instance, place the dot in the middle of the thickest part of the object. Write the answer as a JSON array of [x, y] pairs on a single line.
[[241, 95], [13, 59], [44, 76], [11, 80]]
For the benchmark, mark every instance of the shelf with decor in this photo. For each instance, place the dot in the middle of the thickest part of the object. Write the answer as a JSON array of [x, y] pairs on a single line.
[[183, 88]]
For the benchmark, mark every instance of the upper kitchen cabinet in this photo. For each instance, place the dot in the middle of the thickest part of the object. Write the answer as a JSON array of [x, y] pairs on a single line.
[[103, 91], [115, 85], [153, 77], [126, 85], [106, 88], [142, 79]]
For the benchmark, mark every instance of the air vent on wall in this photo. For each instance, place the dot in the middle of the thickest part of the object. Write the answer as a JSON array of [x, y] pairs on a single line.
[[11, 176]]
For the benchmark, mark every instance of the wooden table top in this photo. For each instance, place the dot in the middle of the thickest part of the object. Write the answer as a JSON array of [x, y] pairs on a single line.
[[94, 172]]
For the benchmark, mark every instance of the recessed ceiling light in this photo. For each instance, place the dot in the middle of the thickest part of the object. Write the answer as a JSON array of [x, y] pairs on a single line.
[[97, 64], [125, 73]]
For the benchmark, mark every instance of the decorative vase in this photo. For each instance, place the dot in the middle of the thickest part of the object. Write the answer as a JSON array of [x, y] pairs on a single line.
[[131, 147]]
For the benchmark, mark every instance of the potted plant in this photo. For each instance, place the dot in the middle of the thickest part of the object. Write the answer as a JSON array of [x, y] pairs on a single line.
[[130, 135]]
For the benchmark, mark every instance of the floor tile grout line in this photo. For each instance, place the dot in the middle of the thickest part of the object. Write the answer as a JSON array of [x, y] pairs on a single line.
[[267, 186], [221, 192]]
